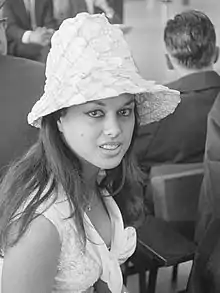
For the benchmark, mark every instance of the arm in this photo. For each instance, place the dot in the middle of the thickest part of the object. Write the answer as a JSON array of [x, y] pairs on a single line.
[[15, 35], [212, 152], [33, 260]]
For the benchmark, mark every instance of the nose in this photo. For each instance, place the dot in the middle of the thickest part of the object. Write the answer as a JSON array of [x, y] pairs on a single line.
[[112, 126]]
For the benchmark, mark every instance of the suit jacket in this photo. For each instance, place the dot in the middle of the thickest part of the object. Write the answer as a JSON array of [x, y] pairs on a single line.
[[68, 8], [205, 273], [209, 201], [21, 84], [19, 22], [180, 137]]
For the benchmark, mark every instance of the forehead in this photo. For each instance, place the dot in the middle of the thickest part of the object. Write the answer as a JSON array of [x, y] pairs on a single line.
[[113, 103], [117, 101]]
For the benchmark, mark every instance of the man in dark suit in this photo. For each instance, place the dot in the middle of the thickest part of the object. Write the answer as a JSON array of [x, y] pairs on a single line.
[[209, 202], [191, 50], [21, 84], [30, 27], [205, 272]]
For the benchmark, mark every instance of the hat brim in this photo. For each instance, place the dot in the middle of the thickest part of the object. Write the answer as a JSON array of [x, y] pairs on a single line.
[[154, 102]]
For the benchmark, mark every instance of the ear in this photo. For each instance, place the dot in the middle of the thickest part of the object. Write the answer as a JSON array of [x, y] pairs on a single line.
[[60, 124], [169, 62], [216, 54]]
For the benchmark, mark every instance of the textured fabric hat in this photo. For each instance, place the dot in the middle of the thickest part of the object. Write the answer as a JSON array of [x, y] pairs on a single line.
[[90, 60]]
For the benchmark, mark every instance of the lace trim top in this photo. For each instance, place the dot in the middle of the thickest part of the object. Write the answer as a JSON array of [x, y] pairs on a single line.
[[79, 268]]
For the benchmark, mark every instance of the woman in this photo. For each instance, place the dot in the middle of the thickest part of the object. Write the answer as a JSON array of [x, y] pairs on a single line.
[[67, 207]]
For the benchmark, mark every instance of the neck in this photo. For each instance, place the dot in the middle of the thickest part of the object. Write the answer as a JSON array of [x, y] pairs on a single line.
[[185, 71], [90, 173], [182, 71]]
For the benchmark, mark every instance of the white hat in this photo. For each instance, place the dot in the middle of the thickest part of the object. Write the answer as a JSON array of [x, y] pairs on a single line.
[[90, 60]]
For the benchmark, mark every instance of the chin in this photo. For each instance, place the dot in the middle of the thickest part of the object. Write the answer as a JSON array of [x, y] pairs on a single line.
[[111, 164]]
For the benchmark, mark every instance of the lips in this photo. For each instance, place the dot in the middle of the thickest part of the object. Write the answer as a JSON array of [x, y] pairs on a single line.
[[111, 149], [110, 146]]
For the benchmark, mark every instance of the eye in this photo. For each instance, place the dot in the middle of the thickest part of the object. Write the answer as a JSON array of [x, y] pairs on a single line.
[[95, 113], [126, 112], [3, 22]]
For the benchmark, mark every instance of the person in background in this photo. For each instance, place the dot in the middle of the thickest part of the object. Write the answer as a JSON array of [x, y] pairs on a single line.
[[21, 83], [70, 205], [30, 27], [209, 201], [190, 41], [64, 9], [205, 274]]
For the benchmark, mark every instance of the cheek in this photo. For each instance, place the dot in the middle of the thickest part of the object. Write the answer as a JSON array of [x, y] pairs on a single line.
[[77, 138], [71, 134]]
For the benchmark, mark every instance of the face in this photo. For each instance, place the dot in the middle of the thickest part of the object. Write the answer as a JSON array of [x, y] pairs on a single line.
[[100, 132], [3, 40]]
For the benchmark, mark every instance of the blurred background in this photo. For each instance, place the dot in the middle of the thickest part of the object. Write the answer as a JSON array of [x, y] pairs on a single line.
[[147, 19], [143, 23]]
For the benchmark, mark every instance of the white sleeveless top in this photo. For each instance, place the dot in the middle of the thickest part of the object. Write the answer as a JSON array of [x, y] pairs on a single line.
[[79, 269]]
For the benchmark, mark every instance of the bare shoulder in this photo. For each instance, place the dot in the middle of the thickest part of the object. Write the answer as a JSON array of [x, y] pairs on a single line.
[[40, 233], [33, 260]]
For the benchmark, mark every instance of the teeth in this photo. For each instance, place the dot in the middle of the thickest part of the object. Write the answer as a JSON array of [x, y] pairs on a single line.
[[110, 146]]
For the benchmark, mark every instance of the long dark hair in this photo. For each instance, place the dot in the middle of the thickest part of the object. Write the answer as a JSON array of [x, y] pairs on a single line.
[[49, 164]]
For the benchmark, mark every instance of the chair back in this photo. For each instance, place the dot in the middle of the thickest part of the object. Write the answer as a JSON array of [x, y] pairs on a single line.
[[21, 85], [175, 191]]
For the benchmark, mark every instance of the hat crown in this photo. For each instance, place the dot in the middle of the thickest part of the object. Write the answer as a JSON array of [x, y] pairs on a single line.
[[85, 44]]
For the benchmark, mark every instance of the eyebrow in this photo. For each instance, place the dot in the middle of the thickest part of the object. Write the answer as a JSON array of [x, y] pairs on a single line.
[[130, 101]]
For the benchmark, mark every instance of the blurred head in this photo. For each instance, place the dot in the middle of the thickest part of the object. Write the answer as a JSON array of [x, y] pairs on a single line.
[[190, 40], [3, 24]]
